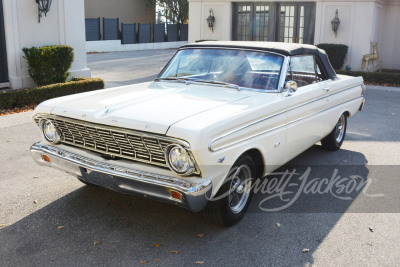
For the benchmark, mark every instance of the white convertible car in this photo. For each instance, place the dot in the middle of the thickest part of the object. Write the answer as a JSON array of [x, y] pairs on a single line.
[[218, 116]]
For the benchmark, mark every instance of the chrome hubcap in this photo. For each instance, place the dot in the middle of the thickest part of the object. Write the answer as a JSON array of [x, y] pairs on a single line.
[[340, 126], [239, 188]]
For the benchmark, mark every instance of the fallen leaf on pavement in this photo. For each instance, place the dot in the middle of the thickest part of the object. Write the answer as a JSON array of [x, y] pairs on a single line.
[[371, 229], [157, 245], [143, 262], [305, 250], [175, 252], [8, 141], [35, 202], [157, 260], [199, 262], [2, 225], [96, 243], [278, 225], [61, 227], [35, 177], [200, 235], [4, 112]]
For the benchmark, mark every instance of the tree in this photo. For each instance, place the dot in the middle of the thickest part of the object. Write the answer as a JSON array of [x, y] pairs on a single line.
[[175, 11]]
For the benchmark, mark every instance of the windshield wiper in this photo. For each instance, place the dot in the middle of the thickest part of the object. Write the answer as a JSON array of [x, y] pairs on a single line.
[[188, 81], [182, 80], [224, 84]]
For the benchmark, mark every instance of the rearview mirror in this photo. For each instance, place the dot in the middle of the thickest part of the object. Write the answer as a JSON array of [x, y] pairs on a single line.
[[292, 85]]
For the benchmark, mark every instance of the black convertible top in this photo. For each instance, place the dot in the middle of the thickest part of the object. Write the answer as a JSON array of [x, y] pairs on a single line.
[[286, 49]]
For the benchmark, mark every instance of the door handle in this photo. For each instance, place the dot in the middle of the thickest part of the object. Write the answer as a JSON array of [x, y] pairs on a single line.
[[327, 89]]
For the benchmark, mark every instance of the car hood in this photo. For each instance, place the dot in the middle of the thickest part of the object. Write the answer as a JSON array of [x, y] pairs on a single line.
[[151, 107]]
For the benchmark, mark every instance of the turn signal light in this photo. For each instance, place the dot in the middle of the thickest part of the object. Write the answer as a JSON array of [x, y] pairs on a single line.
[[176, 195], [45, 158]]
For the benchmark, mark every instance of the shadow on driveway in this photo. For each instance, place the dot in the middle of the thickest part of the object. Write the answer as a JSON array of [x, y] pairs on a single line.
[[128, 227]]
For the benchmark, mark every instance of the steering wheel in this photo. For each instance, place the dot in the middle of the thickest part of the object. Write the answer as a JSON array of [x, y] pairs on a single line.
[[228, 76], [265, 84], [301, 83]]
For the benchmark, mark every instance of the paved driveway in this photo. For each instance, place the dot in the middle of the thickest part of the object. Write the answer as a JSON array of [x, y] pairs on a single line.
[[121, 68], [50, 218]]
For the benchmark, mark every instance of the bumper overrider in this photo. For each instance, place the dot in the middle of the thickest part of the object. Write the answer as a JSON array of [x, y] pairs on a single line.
[[179, 191]]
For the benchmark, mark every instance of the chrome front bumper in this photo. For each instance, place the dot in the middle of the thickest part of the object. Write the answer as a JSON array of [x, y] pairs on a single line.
[[194, 195]]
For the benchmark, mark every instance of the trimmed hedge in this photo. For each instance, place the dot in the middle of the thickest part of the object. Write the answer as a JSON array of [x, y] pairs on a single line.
[[375, 77], [49, 64], [23, 97], [336, 53]]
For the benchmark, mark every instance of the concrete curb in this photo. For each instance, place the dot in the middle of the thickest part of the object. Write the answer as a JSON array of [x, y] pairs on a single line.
[[16, 119], [384, 88]]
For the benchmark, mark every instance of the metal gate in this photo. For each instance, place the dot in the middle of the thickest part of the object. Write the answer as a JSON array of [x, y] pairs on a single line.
[[3, 53]]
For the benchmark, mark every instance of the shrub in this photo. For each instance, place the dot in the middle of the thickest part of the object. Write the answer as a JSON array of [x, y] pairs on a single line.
[[23, 97], [336, 53], [375, 77], [49, 64]]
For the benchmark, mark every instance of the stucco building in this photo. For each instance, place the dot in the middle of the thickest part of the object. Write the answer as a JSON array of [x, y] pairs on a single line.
[[19, 28], [302, 21]]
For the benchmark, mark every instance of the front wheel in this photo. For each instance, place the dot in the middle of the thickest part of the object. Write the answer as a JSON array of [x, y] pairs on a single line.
[[233, 198], [335, 139]]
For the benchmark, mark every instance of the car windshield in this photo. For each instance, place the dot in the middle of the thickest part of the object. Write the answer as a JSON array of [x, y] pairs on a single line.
[[237, 68]]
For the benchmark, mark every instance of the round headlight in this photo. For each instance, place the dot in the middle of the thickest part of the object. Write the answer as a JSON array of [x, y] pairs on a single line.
[[179, 160], [49, 131]]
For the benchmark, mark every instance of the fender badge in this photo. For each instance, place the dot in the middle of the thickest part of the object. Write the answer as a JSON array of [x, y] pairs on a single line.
[[221, 160]]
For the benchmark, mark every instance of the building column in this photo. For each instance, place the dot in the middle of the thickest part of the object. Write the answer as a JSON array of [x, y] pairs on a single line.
[[63, 25], [198, 14]]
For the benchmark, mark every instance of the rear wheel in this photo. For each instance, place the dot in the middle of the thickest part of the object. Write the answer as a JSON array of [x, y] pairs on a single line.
[[233, 198], [335, 139]]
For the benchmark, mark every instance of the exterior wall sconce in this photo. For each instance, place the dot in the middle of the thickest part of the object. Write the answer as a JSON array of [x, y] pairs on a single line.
[[211, 20], [43, 7], [335, 23]]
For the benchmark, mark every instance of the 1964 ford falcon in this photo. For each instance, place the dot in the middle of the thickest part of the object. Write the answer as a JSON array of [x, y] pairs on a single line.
[[218, 115]]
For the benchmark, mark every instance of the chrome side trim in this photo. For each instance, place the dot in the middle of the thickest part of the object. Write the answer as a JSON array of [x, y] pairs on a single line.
[[266, 131], [241, 140], [242, 128], [321, 98], [269, 117], [321, 111]]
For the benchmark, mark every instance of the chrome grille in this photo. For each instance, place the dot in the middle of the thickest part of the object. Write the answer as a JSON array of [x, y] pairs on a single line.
[[112, 141]]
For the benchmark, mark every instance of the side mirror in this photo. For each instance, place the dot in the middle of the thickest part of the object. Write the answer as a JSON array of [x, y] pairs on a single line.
[[291, 85]]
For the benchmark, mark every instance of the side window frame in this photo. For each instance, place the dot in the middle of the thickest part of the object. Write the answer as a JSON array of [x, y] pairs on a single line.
[[290, 71], [318, 63]]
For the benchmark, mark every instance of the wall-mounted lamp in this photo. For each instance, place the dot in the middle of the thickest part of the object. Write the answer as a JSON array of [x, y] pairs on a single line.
[[43, 7], [211, 20], [335, 23]]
